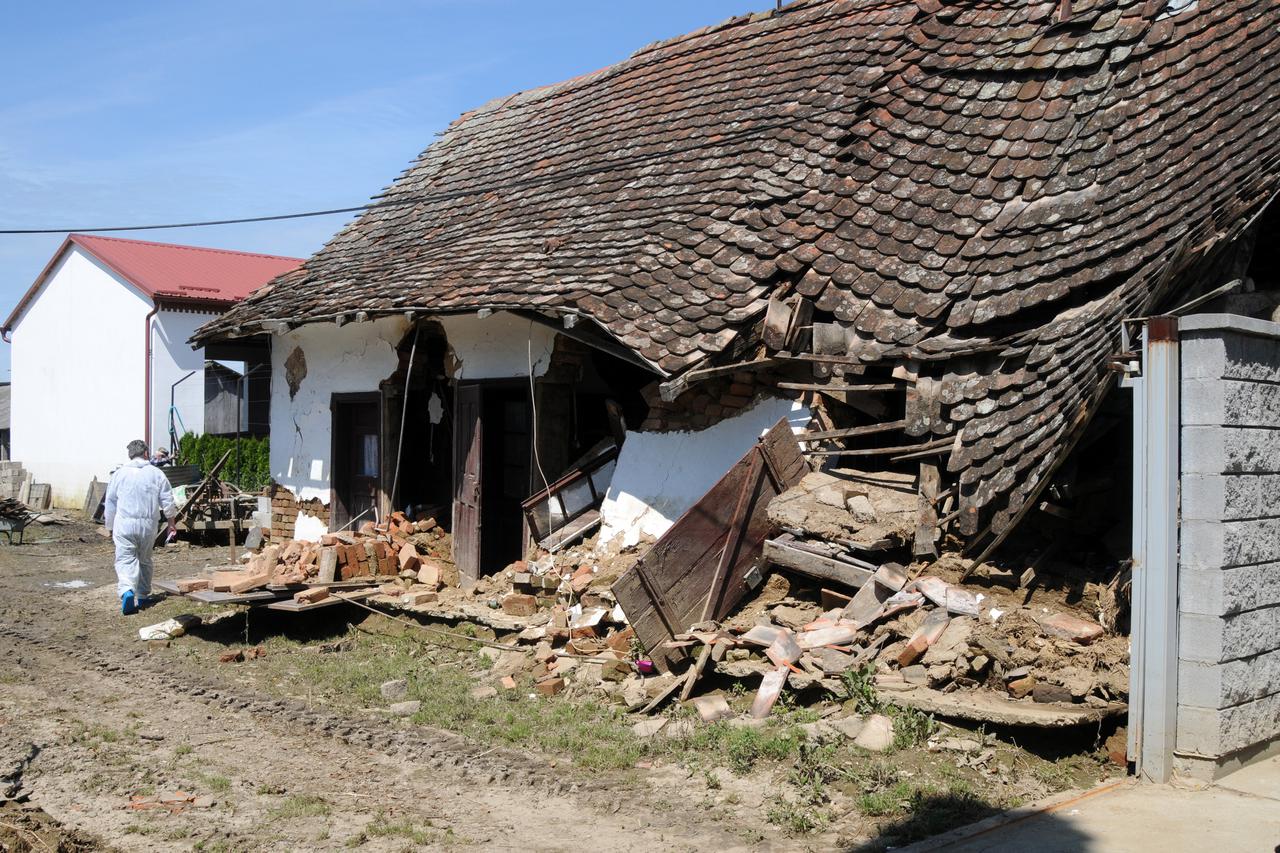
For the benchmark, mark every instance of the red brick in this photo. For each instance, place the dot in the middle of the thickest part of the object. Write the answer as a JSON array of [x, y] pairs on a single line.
[[550, 686], [519, 604]]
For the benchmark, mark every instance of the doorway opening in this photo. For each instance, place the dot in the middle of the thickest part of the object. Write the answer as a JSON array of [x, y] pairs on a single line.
[[357, 458]]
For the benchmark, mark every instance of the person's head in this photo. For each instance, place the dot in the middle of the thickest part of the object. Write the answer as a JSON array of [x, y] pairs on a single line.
[[137, 449], [162, 453]]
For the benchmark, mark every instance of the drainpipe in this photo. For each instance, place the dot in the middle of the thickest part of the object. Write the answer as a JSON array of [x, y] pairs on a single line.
[[1153, 670], [146, 432]]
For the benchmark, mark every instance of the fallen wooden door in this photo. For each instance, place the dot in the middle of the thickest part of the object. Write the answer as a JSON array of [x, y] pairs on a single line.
[[700, 568], [467, 459]]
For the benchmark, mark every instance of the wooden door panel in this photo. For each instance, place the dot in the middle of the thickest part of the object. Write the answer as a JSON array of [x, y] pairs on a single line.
[[698, 569], [467, 461]]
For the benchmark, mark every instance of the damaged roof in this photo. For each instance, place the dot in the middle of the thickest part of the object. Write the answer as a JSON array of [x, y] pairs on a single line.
[[985, 185]]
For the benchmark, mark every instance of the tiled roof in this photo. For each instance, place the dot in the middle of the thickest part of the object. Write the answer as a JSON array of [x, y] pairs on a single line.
[[988, 185], [174, 273]]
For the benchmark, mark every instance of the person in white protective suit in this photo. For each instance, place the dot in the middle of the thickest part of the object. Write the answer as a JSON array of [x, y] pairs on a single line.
[[136, 496]]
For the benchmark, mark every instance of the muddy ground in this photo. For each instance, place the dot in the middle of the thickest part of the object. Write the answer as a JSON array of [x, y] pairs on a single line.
[[295, 749]]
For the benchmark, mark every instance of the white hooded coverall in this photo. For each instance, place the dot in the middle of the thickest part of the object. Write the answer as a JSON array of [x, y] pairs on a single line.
[[137, 494]]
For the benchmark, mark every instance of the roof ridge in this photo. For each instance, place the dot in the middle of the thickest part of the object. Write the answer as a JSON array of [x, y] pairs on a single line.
[[76, 236]]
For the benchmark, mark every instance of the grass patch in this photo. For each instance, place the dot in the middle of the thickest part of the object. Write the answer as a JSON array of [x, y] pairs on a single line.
[[910, 727], [217, 784], [300, 805], [383, 827]]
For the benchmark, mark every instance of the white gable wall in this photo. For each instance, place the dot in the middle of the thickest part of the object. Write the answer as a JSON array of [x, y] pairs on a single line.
[[77, 359], [171, 359]]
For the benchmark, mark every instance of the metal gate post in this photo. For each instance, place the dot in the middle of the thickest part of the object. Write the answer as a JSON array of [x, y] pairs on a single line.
[[1154, 667]]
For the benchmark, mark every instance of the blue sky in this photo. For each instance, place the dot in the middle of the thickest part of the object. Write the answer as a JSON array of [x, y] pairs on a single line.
[[129, 113]]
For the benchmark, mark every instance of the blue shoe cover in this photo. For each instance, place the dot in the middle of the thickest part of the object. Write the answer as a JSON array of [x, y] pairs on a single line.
[[127, 604]]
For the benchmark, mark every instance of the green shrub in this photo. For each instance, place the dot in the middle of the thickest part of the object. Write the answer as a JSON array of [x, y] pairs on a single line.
[[204, 451]]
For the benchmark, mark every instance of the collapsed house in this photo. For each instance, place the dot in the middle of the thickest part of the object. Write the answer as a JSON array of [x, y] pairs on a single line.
[[911, 231]]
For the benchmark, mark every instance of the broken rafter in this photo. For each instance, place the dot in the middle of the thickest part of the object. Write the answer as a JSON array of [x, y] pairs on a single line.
[[674, 388], [931, 446], [841, 360], [839, 388], [870, 429]]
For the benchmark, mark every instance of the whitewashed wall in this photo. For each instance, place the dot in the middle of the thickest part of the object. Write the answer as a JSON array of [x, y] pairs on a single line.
[[78, 376], [661, 474], [171, 359], [340, 360], [500, 346]]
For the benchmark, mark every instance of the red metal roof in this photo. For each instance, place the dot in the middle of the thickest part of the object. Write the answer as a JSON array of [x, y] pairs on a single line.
[[173, 273]]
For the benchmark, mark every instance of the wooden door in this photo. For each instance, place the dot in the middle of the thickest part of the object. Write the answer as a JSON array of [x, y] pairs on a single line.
[[357, 459], [700, 568], [467, 460]]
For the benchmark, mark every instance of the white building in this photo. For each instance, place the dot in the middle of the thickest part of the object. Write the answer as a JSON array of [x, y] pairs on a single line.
[[100, 353]]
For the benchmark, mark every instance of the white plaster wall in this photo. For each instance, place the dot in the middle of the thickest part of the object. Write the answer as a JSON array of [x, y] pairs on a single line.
[[500, 346], [340, 360], [78, 377], [171, 359], [661, 474]]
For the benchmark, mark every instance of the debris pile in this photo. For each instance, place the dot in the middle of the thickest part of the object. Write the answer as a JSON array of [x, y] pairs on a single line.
[[396, 549]]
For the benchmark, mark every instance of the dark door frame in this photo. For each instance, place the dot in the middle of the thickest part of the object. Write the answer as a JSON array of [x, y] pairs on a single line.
[[348, 398], [484, 385]]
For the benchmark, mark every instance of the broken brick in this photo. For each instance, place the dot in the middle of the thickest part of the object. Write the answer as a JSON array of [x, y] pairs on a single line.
[[519, 604], [309, 596], [549, 686], [418, 597], [408, 558], [1073, 628], [1020, 687]]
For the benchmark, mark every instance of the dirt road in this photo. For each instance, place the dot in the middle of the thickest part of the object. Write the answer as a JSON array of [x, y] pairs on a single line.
[[91, 720]]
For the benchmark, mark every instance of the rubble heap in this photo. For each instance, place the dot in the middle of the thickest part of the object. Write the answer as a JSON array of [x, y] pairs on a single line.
[[397, 548]]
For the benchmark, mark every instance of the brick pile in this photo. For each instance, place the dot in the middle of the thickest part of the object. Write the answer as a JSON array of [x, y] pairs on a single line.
[[285, 509], [399, 548]]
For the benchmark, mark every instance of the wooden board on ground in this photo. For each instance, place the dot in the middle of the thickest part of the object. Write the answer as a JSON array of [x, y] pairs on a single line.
[[699, 569], [986, 707], [208, 596], [291, 606], [788, 556]]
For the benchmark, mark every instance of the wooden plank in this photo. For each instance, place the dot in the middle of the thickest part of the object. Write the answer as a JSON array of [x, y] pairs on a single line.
[[935, 446], [468, 442], [840, 387], [208, 596], [869, 429], [755, 470], [667, 590], [926, 536], [815, 565], [290, 606]]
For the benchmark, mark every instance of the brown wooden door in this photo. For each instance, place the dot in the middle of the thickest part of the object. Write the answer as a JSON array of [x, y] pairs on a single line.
[[357, 459], [467, 460]]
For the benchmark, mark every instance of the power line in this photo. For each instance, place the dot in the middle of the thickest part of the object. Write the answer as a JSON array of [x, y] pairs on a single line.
[[200, 224]]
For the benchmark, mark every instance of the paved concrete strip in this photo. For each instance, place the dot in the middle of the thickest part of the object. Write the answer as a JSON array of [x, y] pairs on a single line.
[[1242, 812]]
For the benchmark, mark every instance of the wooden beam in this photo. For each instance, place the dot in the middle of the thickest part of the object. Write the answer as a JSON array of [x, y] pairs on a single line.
[[839, 389], [880, 451], [672, 389], [869, 429], [815, 565]]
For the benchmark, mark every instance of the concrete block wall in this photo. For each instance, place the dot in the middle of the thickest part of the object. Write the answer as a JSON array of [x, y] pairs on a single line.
[[1229, 545]]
